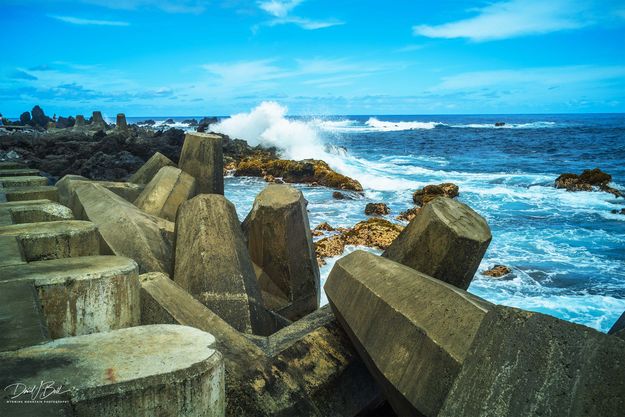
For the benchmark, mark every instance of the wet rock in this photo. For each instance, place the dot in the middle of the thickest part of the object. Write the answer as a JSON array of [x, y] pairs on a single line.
[[329, 247], [65, 122], [588, 180], [202, 158], [39, 119], [25, 118], [169, 122], [621, 211], [169, 188], [204, 124], [447, 241], [337, 195], [325, 227], [497, 271], [430, 192], [499, 124], [376, 209], [408, 215], [148, 170], [306, 172], [280, 243], [190, 122]]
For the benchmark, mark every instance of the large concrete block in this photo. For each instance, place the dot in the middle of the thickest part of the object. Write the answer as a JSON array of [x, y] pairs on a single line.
[[83, 295], [150, 168], [97, 121], [143, 371], [413, 331], [307, 369], [11, 252], [21, 321], [124, 229], [53, 240], [43, 192], [212, 262], [121, 122], [280, 243], [169, 188], [66, 185], [446, 240], [618, 329], [438, 351], [12, 165], [33, 211], [23, 181], [13, 172], [202, 158]]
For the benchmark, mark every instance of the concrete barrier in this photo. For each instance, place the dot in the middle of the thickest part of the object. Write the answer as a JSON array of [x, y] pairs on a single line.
[[66, 185], [43, 192], [150, 168], [169, 188], [18, 172], [202, 158], [23, 181]]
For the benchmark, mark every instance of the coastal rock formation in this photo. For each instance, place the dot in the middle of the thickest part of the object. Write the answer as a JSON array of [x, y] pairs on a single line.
[[308, 171], [497, 271], [376, 209], [39, 119], [280, 243], [446, 240], [65, 122], [169, 188], [408, 215], [588, 180], [213, 265], [449, 353], [428, 193], [202, 158], [148, 170]]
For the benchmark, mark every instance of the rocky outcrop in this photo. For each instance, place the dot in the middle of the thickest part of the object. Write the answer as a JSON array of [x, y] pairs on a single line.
[[446, 240], [408, 215], [589, 180], [376, 209], [308, 171], [65, 122], [39, 119], [428, 193], [497, 271], [280, 243]]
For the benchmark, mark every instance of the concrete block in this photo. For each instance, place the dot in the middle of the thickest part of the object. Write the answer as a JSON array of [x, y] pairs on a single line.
[[12, 165], [121, 122], [53, 240], [150, 168], [280, 243], [33, 211], [21, 321], [10, 251], [97, 121], [18, 172], [144, 371], [124, 229], [83, 295], [202, 158], [618, 329], [446, 240], [44, 192], [23, 181], [169, 188], [66, 185], [212, 262]]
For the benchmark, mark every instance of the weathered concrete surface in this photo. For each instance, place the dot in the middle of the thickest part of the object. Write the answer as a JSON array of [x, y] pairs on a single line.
[[66, 185], [307, 369], [97, 121], [10, 251], [280, 243], [446, 240], [124, 229], [12, 165], [150, 168], [414, 333], [21, 321], [44, 192], [141, 371], [53, 240], [83, 295], [212, 263], [202, 158], [169, 188], [33, 211], [530, 364], [618, 329], [15, 172], [121, 122], [23, 181], [439, 351]]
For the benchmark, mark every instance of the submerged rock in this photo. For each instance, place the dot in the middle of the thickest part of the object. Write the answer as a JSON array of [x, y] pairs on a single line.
[[376, 209], [588, 180], [497, 271], [430, 192], [408, 215]]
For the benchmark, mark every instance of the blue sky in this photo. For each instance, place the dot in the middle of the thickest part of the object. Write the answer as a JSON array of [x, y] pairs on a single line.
[[205, 57]]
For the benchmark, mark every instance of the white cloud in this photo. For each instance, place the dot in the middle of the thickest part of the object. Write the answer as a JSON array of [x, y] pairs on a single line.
[[170, 6], [278, 8], [281, 11], [94, 22], [512, 19]]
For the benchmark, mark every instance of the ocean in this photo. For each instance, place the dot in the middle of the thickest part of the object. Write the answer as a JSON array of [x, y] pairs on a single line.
[[566, 249]]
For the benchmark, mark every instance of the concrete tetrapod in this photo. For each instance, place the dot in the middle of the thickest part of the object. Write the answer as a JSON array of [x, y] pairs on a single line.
[[306, 369], [66, 186], [150, 168], [280, 243], [439, 351], [618, 329], [169, 188], [446, 240], [144, 371], [212, 263], [202, 158], [33, 211]]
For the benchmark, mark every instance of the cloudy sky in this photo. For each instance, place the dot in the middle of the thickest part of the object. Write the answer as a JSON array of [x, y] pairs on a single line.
[[199, 57]]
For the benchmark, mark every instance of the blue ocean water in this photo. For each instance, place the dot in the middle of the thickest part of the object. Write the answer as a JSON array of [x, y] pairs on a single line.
[[567, 250]]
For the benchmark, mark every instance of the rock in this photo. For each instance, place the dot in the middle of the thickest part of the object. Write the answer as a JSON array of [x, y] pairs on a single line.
[[447, 241], [97, 121], [621, 211], [588, 180], [618, 329], [124, 229], [39, 119], [212, 263], [148, 170], [121, 122], [190, 122], [307, 172], [269, 178], [153, 370], [205, 123], [169, 122], [202, 158], [329, 247], [116, 166], [497, 271], [169, 188], [280, 242], [337, 195], [428, 193], [437, 350], [65, 122], [376, 209], [148, 122], [499, 124], [408, 215], [325, 227], [25, 118]]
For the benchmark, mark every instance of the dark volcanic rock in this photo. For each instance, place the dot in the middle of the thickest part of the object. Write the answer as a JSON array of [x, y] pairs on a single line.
[[65, 122], [376, 209], [39, 119], [25, 118], [205, 123], [190, 122]]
